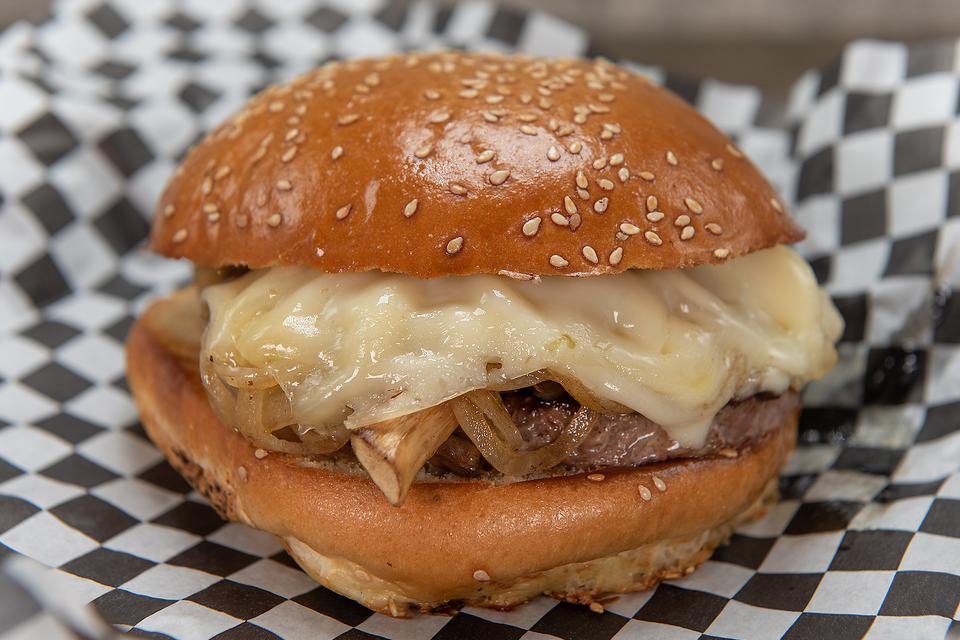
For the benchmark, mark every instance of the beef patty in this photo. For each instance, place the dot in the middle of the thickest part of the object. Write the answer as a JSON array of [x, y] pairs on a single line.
[[620, 440]]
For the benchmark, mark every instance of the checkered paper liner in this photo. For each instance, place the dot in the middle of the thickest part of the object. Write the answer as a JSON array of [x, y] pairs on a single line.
[[98, 104]]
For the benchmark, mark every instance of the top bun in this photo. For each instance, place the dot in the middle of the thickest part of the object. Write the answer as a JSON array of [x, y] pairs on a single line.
[[456, 163]]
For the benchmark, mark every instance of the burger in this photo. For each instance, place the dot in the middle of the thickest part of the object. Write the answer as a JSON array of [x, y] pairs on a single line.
[[469, 328]]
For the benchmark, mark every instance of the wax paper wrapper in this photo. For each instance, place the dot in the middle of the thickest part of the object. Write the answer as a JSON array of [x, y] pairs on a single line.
[[97, 105]]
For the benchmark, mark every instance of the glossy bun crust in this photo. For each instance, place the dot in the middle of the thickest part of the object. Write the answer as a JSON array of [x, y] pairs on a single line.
[[457, 163], [471, 542]]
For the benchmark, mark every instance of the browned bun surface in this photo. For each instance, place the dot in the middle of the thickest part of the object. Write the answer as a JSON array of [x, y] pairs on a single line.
[[455, 163], [477, 541]]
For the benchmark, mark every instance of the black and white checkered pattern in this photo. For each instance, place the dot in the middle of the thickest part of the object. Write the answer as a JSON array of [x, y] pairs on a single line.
[[99, 103]]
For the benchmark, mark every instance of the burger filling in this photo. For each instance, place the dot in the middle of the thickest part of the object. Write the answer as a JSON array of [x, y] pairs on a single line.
[[522, 376]]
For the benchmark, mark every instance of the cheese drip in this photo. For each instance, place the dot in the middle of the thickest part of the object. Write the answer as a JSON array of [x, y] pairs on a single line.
[[675, 345]]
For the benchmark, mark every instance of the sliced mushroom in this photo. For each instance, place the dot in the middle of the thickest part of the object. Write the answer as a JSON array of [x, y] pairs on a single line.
[[393, 451]]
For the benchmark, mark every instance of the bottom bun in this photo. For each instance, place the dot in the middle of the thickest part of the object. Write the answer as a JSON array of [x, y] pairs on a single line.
[[456, 541]]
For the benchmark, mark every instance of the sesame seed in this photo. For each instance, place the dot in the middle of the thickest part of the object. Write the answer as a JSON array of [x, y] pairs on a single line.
[[207, 186], [717, 164], [242, 473], [526, 98], [713, 228], [343, 211], [621, 236], [569, 205], [575, 147], [466, 138], [721, 253], [559, 219], [168, 210], [606, 97], [300, 109], [221, 173], [259, 153], [454, 245], [527, 117], [687, 233], [439, 117], [423, 151], [528, 129], [655, 216], [580, 118], [605, 135], [616, 159], [671, 158], [558, 261], [468, 93], [349, 118], [530, 227], [291, 134], [288, 154], [776, 205], [260, 454], [494, 99], [410, 209], [612, 127], [599, 163], [623, 174], [266, 139], [553, 154], [693, 205], [481, 576], [659, 484], [652, 238], [732, 150], [490, 117], [284, 185], [629, 228], [213, 216], [499, 177], [564, 131], [596, 477], [583, 193], [457, 188], [320, 252], [601, 205], [596, 607], [615, 256], [581, 180], [545, 103], [293, 120], [275, 106], [606, 185], [484, 156], [590, 254], [646, 175], [209, 207], [645, 493], [430, 94], [274, 220], [179, 236], [682, 220], [652, 203], [261, 198], [728, 453], [336, 152]]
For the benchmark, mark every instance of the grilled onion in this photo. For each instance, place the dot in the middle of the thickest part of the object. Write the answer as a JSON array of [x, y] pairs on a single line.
[[490, 428], [259, 411]]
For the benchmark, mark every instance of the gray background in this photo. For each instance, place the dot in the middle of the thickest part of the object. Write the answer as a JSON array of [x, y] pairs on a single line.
[[762, 42]]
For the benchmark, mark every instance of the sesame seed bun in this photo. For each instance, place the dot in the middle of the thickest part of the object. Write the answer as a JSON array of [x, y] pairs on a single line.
[[475, 542], [457, 163]]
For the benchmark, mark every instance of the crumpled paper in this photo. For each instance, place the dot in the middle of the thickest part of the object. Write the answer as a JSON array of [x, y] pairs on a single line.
[[98, 104]]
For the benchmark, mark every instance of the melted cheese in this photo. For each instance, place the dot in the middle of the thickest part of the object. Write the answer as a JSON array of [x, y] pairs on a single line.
[[675, 346]]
